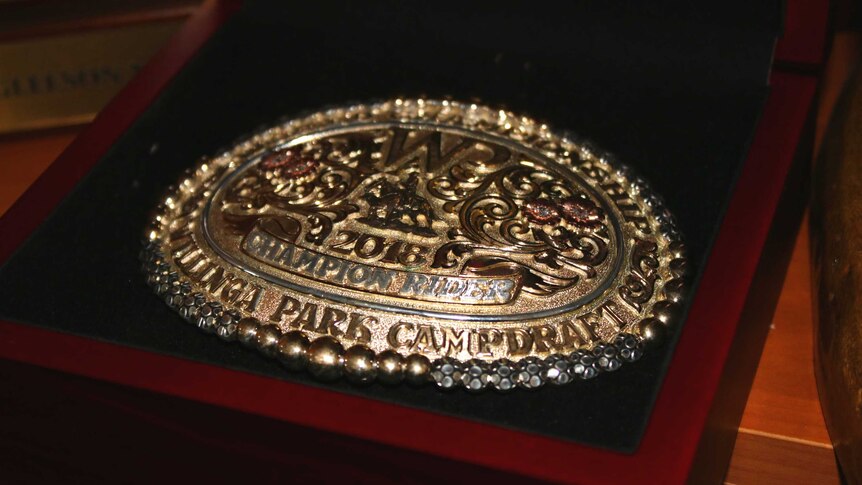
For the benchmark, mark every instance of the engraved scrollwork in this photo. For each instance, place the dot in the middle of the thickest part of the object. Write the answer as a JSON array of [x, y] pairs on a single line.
[[303, 184], [503, 206], [639, 285], [525, 218]]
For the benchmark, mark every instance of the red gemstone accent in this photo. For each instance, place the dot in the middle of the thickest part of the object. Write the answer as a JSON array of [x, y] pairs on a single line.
[[289, 164], [542, 211], [580, 211]]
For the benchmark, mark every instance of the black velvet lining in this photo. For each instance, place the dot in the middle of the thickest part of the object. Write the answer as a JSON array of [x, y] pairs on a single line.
[[674, 93]]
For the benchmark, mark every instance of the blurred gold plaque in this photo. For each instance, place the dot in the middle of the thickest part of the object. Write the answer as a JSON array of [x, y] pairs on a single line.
[[66, 79]]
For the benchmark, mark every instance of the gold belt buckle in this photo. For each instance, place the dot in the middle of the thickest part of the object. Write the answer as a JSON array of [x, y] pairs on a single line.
[[421, 241]]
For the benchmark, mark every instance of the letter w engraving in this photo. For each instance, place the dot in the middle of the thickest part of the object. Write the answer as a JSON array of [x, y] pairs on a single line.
[[431, 149]]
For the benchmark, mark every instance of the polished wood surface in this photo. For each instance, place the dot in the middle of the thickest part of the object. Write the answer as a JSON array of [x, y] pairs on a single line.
[[782, 438], [783, 400]]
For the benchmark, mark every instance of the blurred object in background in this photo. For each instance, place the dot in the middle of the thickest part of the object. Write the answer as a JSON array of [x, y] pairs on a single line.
[[836, 239], [62, 61]]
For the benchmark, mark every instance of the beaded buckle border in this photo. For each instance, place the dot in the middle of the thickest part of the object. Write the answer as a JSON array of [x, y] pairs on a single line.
[[326, 357]]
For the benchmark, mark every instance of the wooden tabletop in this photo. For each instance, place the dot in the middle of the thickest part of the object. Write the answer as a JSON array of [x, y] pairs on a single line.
[[782, 438]]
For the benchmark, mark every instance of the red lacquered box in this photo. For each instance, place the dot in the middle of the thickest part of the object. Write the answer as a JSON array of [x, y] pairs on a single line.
[[90, 405]]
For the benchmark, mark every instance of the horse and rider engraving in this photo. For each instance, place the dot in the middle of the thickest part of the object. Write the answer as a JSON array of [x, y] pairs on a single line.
[[398, 206]]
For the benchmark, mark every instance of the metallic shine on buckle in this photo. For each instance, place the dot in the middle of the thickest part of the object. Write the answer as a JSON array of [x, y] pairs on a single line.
[[421, 241]]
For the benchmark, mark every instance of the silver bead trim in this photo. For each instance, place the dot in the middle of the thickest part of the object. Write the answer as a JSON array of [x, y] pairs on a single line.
[[447, 373]]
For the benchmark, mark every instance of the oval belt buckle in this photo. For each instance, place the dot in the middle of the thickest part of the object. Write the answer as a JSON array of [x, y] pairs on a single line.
[[420, 241]]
